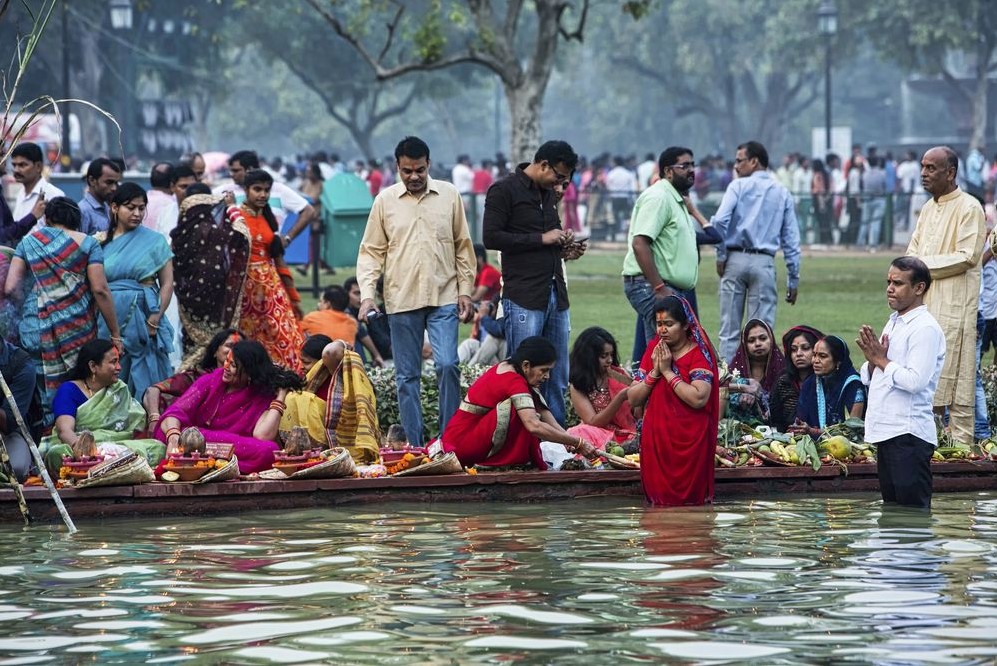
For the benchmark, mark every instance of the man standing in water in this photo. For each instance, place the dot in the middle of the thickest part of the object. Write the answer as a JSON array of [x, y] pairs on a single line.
[[949, 238], [901, 370]]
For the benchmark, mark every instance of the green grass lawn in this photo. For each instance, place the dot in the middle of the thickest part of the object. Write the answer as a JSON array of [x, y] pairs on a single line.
[[838, 293]]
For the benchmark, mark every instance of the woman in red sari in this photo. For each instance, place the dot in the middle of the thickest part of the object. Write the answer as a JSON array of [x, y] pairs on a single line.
[[503, 418], [270, 302], [679, 436]]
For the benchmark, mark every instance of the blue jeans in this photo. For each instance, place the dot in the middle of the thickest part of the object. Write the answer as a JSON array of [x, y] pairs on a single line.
[[747, 289], [407, 330], [641, 296], [872, 221], [981, 424], [553, 324]]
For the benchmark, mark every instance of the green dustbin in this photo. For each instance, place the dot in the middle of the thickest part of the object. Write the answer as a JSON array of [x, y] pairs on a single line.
[[346, 203]]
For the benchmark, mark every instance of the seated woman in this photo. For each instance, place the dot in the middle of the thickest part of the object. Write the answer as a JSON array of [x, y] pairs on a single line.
[[833, 393], [240, 403], [95, 400], [798, 345], [503, 418], [338, 406], [311, 351], [760, 363], [161, 395], [679, 435], [598, 389]]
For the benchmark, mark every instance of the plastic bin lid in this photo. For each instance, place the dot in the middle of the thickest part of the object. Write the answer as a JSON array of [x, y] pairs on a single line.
[[346, 193]]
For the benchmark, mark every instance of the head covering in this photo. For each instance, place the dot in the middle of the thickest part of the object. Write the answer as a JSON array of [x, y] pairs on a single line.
[[773, 365], [787, 340], [822, 399]]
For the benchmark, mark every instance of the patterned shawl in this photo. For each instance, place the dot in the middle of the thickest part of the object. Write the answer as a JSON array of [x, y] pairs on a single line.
[[211, 254], [351, 410]]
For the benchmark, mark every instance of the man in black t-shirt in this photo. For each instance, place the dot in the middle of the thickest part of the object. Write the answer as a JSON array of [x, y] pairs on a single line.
[[521, 221]]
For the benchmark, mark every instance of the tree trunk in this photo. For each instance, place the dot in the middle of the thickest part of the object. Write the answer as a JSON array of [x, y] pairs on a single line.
[[362, 138], [525, 105], [86, 85], [981, 107]]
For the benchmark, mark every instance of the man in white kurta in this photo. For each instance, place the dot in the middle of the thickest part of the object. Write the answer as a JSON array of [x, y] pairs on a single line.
[[949, 238]]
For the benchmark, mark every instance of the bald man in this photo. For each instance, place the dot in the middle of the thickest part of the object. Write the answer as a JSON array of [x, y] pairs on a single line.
[[949, 238]]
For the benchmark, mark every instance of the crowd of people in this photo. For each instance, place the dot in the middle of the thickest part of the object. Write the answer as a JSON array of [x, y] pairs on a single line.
[[106, 295]]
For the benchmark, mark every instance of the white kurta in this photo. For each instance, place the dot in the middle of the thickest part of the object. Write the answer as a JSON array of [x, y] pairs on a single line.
[[949, 238]]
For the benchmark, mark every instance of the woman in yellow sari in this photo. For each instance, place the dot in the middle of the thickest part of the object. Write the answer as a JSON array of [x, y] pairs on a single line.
[[338, 406]]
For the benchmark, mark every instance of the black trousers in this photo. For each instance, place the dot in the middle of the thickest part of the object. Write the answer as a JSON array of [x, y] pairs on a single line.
[[904, 467]]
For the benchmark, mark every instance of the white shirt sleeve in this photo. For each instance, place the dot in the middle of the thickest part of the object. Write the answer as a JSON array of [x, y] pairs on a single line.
[[290, 200]]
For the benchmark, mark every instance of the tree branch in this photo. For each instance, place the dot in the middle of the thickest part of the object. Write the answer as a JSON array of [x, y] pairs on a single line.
[[698, 100], [383, 72], [380, 117], [512, 11], [578, 33], [956, 85]]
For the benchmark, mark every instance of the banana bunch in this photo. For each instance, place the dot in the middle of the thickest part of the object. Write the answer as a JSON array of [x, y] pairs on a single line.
[[739, 456], [790, 450], [958, 452]]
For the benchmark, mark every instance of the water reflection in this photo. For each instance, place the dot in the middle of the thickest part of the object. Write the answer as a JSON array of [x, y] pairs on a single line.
[[803, 580]]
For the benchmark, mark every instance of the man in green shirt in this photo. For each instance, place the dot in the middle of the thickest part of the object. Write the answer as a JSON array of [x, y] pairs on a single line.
[[662, 257]]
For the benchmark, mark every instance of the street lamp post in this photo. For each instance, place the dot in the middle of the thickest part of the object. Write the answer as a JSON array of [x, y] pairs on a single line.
[[121, 20], [67, 149], [827, 24]]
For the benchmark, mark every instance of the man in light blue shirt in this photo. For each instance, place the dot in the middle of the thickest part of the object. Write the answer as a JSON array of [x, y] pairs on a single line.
[[756, 218], [103, 177]]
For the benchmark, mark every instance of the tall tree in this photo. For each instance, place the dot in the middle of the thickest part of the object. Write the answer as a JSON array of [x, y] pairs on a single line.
[[749, 72], [922, 36], [330, 67], [518, 42]]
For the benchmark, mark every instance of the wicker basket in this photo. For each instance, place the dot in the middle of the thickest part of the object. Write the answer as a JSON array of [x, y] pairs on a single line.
[[229, 471], [445, 464], [339, 464], [273, 475], [127, 470]]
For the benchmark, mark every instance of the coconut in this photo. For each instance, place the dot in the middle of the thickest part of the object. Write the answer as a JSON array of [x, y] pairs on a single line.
[[85, 446], [297, 441], [838, 447], [191, 441]]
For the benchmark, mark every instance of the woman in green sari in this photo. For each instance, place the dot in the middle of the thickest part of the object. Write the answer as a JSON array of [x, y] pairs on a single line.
[[95, 400]]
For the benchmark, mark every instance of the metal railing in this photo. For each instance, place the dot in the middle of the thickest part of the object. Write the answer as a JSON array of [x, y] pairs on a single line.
[[863, 220]]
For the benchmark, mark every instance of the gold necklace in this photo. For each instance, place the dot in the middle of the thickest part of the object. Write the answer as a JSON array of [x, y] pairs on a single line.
[[86, 385]]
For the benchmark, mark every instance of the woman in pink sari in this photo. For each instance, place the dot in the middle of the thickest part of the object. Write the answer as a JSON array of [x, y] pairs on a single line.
[[241, 403], [598, 388]]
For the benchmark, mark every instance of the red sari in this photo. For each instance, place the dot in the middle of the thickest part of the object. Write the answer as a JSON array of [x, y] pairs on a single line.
[[486, 429], [678, 442]]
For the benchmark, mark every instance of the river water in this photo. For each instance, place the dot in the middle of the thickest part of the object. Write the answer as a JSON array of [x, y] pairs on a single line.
[[802, 580]]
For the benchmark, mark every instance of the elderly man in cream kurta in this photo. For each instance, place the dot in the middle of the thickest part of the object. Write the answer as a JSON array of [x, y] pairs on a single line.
[[949, 237], [417, 238]]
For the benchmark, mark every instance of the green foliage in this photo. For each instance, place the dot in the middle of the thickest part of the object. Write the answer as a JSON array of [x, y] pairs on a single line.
[[383, 380], [917, 34], [989, 376], [429, 38]]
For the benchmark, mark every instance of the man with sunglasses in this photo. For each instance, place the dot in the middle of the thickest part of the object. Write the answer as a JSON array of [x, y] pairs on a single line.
[[756, 218], [522, 222], [662, 257]]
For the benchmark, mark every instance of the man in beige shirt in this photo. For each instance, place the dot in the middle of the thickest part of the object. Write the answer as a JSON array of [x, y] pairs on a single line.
[[417, 237], [949, 238]]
